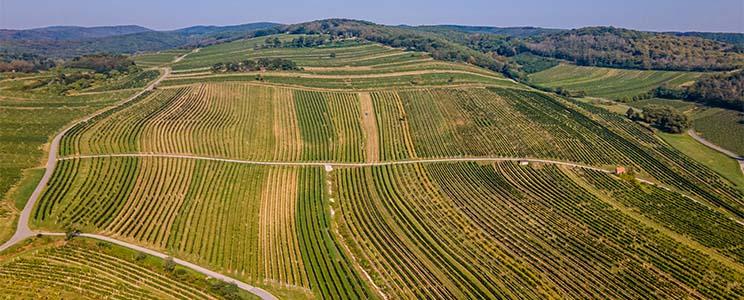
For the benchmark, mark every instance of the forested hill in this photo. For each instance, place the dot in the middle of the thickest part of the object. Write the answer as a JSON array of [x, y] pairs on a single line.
[[143, 40], [623, 48], [59, 33]]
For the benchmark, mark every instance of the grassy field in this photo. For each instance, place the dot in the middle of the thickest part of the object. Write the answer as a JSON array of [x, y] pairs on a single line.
[[609, 83], [713, 159]]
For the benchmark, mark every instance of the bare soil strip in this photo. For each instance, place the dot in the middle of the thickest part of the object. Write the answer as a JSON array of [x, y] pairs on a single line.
[[369, 125]]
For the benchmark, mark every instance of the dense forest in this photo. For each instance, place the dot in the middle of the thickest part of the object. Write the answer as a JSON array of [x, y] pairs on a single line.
[[721, 90], [662, 117], [261, 64], [24, 62], [622, 48]]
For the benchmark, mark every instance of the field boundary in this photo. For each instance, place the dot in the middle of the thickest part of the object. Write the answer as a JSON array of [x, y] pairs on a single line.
[[709, 144]]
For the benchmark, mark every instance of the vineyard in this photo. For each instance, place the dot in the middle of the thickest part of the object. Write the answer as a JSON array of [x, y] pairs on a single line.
[[242, 121], [610, 83], [723, 127], [27, 120], [508, 231], [83, 269], [265, 225], [158, 59], [371, 173], [264, 123]]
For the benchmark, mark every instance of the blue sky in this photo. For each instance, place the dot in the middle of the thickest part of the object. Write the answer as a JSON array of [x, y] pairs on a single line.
[[657, 15]]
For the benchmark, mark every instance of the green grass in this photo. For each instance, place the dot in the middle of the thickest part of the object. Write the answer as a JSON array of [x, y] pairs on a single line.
[[20, 194], [724, 165], [609, 83]]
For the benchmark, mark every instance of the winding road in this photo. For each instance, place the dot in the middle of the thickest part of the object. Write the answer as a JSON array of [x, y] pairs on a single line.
[[728, 153]]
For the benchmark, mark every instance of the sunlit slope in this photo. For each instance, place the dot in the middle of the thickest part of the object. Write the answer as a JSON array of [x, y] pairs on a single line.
[[610, 83]]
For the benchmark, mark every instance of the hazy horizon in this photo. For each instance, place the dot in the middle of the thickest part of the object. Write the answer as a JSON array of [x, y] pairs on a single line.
[[664, 15]]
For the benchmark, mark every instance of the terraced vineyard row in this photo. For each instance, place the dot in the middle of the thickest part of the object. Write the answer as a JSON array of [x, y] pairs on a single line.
[[506, 231], [258, 122], [230, 120], [709, 227], [81, 269], [265, 225], [354, 54], [664, 163], [159, 58], [610, 83]]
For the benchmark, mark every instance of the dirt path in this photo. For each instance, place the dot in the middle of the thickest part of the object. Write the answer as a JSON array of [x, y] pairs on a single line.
[[351, 76], [728, 153], [369, 124], [23, 231], [252, 289]]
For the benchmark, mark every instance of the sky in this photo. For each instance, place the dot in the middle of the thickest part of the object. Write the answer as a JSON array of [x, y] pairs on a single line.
[[652, 15]]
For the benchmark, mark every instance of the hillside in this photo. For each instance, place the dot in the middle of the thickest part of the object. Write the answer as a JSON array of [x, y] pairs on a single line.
[[342, 159], [57, 33], [132, 42], [622, 48]]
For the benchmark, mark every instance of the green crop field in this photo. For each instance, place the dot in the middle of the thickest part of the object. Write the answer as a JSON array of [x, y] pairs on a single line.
[[609, 83], [368, 173], [84, 269]]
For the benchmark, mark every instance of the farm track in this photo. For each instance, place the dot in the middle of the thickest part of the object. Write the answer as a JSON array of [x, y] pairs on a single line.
[[352, 76], [713, 146], [23, 231]]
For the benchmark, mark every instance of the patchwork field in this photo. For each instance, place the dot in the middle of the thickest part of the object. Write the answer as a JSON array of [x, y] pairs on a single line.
[[264, 123], [609, 83]]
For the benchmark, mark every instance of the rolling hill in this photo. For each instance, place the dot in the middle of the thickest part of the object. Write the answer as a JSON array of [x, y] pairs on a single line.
[[387, 163]]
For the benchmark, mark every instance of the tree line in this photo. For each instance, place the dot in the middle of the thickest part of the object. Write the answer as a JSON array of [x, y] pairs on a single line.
[[261, 64], [721, 90], [662, 117]]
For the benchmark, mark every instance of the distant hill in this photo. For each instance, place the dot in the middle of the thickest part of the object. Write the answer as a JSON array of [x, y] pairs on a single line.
[[624, 48], [59, 33], [726, 37], [519, 32], [142, 39]]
